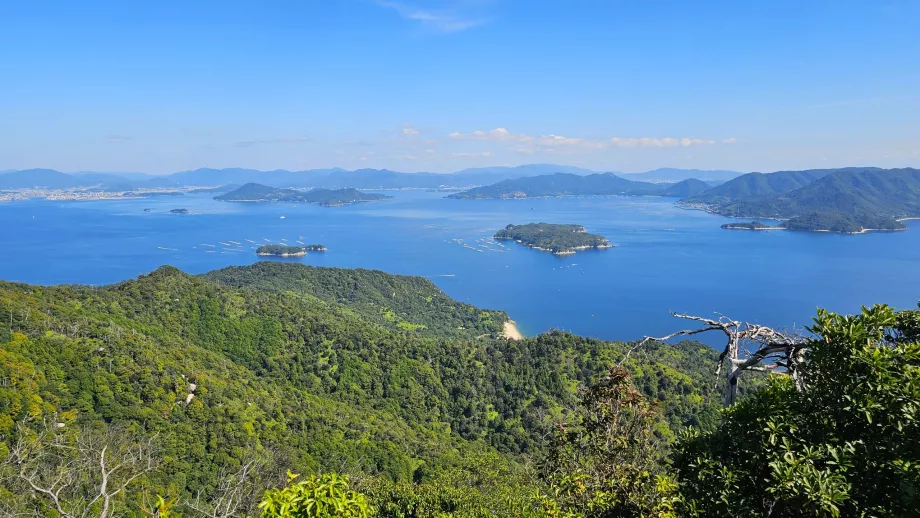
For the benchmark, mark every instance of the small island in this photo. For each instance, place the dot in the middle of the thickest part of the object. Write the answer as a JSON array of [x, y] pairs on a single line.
[[288, 251], [558, 239], [179, 211], [754, 225], [253, 192], [828, 222]]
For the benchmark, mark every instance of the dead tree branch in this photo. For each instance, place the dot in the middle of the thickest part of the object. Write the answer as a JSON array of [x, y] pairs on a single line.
[[748, 346]]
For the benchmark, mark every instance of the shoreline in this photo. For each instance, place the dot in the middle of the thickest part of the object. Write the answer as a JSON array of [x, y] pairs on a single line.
[[510, 331]]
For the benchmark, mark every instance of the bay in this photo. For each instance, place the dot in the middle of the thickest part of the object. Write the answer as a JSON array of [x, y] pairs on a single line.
[[666, 258]]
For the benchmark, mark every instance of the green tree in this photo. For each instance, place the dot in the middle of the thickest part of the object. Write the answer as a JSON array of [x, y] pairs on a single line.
[[607, 461], [843, 443], [322, 496]]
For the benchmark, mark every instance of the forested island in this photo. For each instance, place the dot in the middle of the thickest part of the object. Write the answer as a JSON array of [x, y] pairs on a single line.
[[288, 251], [390, 399], [567, 184], [558, 239], [753, 225], [253, 192], [849, 200]]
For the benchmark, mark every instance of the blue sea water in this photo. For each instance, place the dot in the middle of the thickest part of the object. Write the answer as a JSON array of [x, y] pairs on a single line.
[[666, 258]]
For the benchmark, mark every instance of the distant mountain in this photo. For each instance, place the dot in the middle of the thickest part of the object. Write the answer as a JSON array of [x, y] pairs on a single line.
[[685, 188], [666, 174], [561, 184], [47, 178], [845, 200], [328, 178], [51, 179], [253, 192], [753, 185]]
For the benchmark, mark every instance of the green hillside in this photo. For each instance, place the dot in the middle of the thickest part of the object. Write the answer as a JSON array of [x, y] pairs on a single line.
[[841, 200], [754, 185], [301, 366]]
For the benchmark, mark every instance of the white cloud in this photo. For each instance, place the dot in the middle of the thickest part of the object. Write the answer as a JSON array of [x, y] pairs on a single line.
[[529, 144], [409, 131], [444, 21], [483, 154], [282, 140]]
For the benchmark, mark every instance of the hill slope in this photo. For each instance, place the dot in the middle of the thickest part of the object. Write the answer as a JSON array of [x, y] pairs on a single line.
[[313, 379]]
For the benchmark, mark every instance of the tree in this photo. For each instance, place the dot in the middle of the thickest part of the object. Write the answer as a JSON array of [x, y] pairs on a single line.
[[607, 461], [80, 474], [748, 347], [843, 441], [322, 496]]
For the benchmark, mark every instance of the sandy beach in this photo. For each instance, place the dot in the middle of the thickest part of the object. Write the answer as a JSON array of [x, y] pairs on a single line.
[[511, 331]]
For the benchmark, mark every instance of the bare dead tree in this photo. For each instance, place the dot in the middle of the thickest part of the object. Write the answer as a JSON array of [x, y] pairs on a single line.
[[748, 347], [79, 475], [235, 495]]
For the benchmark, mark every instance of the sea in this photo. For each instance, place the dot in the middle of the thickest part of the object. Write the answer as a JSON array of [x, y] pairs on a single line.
[[666, 258]]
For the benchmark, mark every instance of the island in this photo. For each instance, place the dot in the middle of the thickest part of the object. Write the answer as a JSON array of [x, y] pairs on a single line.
[[555, 238], [852, 200], [288, 251], [567, 184], [843, 223], [179, 211], [754, 225], [254, 192]]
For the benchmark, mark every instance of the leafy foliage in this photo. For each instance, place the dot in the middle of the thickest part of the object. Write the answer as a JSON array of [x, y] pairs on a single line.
[[845, 445], [322, 496], [607, 461]]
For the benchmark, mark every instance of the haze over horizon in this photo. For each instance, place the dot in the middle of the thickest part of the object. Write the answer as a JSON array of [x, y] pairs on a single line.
[[442, 85]]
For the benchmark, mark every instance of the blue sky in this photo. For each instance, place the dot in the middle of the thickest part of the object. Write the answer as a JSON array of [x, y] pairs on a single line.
[[441, 85]]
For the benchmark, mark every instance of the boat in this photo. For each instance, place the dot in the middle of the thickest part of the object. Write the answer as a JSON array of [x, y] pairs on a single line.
[[282, 217]]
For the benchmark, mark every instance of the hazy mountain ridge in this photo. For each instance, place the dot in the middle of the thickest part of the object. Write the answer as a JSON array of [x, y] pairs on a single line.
[[330, 178], [563, 184]]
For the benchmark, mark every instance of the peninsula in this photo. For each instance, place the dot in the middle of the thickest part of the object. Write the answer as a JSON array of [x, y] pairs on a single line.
[[254, 192], [288, 251], [558, 239]]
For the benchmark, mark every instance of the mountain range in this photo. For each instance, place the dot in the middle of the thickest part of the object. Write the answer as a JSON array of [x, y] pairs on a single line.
[[849, 200], [329, 178]]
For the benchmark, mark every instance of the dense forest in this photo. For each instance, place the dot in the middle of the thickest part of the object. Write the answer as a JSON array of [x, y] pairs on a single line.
[[383, 396], [558, 239], [326, 197]]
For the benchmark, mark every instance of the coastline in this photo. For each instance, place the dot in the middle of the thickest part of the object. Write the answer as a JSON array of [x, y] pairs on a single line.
[[511, 331]]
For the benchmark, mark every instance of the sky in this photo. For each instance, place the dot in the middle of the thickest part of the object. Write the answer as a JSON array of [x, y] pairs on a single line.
[[443, 85]]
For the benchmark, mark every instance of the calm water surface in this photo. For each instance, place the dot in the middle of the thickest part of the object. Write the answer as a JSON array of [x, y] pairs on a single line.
[[665, 258]]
